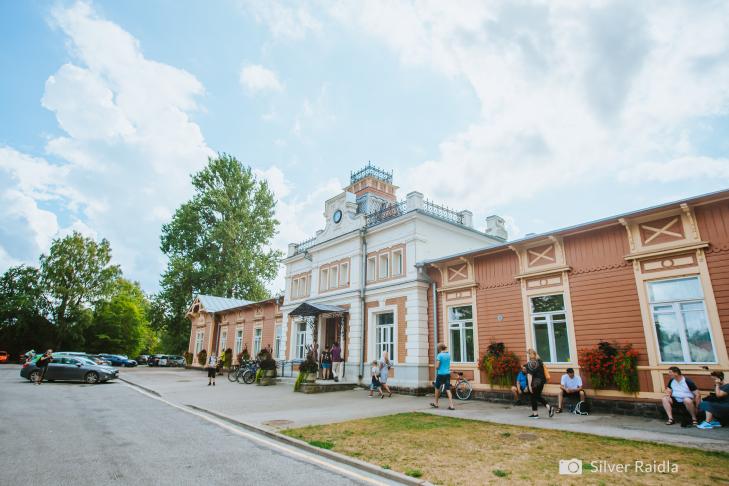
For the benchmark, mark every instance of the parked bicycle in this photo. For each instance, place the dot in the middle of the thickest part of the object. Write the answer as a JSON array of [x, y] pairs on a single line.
[[248, 373], [234, 371], [462, 387]]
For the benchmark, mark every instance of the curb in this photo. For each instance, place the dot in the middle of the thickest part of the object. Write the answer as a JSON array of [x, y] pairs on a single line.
[[335, 456], [148, 390]]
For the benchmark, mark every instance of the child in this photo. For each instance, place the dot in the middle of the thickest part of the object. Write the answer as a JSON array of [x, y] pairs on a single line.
[[376, 385]]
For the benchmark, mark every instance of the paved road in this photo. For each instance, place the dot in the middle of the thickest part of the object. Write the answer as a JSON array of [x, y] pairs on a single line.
[[76, 434]]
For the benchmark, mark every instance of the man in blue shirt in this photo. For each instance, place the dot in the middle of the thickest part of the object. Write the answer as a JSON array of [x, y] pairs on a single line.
[[443, 376], [521, 387]]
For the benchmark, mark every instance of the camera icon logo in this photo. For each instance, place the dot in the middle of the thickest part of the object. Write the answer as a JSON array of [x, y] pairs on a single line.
[[571, 467]]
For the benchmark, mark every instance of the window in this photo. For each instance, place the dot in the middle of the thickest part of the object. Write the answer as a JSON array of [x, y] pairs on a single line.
[[334, 277], [238, 341], [223, 340], [549, 321], [385, 338], [371, 268], [397, 262], [383, 269], [324, 279], [278, 342], [295, 292], [460, 325], [257, 341], [344, 275], [300, 286], [679, 314], [301, 340], [199, 341]]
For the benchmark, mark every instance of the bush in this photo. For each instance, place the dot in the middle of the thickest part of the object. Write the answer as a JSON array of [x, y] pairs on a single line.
[[267, 361], [500, 365], [202, 357], [188, 357], [228, 358]]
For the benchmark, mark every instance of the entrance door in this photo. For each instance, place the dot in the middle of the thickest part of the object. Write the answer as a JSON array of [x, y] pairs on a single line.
[[330, 332]]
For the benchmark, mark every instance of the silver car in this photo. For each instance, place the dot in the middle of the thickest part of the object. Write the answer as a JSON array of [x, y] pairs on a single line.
[[70, 368]]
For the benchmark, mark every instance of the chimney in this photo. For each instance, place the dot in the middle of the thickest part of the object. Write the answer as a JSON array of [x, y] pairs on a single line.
[[467, 218], [496, 227]]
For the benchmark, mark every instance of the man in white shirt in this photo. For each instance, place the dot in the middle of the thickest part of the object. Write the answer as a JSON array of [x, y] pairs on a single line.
[[570, 384], [680, 390]]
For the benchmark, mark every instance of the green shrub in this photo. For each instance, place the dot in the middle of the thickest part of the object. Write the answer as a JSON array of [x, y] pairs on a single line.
[[188, 357], [322, 444], [228, 358], [414, 473], [202, 357], [499, 473]]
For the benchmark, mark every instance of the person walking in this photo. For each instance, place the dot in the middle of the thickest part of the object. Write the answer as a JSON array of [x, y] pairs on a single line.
[[336, 361], [443, 376], [326, 364], [42, 363], [212, 366], [385, 364], [375, 384], [536, 379]]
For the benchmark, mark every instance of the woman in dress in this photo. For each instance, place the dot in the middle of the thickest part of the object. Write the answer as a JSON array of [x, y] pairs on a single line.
[[385, 365], [536, 379]]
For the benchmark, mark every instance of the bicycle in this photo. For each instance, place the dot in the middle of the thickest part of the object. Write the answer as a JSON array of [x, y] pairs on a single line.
[[234, 372], [462, 387], [248, 375]]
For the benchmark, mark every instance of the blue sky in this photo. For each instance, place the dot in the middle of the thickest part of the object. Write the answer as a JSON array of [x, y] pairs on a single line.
[[547, 114]]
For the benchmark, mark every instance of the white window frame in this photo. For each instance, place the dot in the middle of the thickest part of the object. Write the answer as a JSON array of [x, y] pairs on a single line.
[[278, 341], [257, 338], [678, 313], [397, 256], [461, 325], [382, 330], [238, 341], [334, 277], [372, 268], [301, 340], [199, 338], [549, 319], [223, 340], [324, 279], [344, 274], [380, 258]]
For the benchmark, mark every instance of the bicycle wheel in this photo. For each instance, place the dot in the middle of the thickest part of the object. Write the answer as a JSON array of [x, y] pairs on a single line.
[[233, 374], [463, 390], [249, 376], [239, 375]]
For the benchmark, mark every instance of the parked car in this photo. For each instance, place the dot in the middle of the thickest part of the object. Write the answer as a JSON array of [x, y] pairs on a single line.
[[119, 360], [176, 361], [154, 360], [142, 359], [98, 359], [163, 360], [4, 356], [77, 354], [70, 368]]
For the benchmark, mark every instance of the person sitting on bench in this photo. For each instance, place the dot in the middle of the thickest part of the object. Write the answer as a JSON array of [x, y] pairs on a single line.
[[521, 387], [680, 391], [570, 385], [716, 405]]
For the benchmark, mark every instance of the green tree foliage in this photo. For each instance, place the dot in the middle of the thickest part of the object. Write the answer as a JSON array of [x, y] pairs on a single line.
[[24, 320], [76, 273], [121, 323], [217, 243]]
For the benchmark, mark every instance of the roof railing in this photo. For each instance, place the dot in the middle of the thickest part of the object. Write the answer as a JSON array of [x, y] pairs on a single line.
[[442, 212], [387, 213], [370, 171], [301, 247]]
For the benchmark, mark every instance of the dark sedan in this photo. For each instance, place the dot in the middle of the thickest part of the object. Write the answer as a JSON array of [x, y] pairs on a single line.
[[119, 360], [69, 368]]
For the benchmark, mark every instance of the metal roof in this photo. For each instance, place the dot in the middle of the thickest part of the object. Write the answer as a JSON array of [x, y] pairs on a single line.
[[217, 304], [308, 309], [608, 219]]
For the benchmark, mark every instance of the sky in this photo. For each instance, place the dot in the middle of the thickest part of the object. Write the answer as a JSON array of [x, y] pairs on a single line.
[[546, 113]]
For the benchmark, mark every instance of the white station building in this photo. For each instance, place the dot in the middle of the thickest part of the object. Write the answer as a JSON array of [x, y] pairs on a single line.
[[356, 281]]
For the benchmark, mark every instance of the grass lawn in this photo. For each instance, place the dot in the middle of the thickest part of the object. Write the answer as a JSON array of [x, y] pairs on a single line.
[[445, 450]]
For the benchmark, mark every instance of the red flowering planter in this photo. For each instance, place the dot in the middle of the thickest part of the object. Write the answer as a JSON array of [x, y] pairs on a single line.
[[611, 366]]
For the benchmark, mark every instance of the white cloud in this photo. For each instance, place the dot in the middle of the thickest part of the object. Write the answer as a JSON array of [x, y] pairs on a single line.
[[256, 79], [568, 92], [128, 149], [284, 22]]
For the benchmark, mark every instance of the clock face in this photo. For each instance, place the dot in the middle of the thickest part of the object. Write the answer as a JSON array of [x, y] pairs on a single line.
[[337, 217]]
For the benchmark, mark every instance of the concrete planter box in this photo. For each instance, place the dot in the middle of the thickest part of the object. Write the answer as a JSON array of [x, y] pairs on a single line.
[[268, 378]]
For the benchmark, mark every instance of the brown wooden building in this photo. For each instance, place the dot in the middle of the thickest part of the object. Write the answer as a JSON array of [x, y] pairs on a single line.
[[220, 323], [656, 278]]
